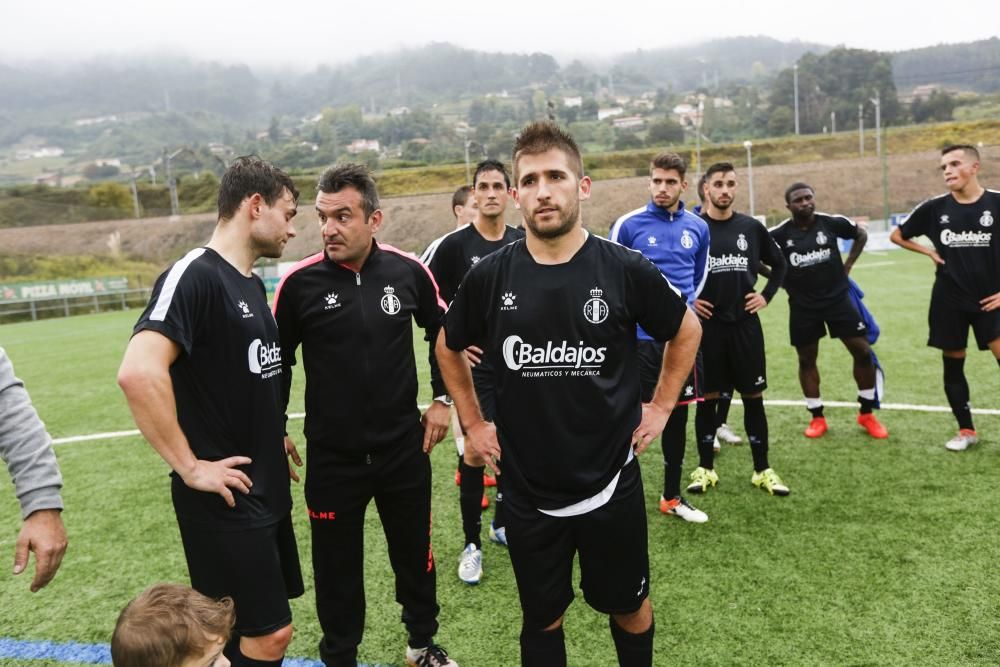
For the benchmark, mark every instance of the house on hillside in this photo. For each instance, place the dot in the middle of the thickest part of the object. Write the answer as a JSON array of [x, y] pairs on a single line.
[[608, 112], [362, 145]]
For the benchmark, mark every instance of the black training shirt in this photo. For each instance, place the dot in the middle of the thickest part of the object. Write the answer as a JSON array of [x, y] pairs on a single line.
[[227, 384], [815, 277], [451, 256], [963, 236], [356, 333], [738, 246], [561, 339]]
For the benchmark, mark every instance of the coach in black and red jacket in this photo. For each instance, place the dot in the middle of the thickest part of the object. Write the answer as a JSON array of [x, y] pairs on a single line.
[[351, 309]]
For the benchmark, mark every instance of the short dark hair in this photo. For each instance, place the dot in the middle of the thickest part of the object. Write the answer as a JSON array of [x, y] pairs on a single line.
[[798, 185], [351, 175], [544, 135], [460, 197], [491, 165], [167, 624], [247, 176], [669, 161], [717, 167], [968, 149], [702, 180]]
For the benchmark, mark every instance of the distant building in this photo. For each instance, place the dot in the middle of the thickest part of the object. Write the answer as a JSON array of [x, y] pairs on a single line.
[[399, 111], [608, 112], [628, 122], [108, 162], [362, 145], [33, 153], [570, 102], [97, 120]]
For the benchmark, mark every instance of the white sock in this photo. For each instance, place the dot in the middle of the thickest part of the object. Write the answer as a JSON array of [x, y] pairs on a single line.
[[813, 403], [868, 394]]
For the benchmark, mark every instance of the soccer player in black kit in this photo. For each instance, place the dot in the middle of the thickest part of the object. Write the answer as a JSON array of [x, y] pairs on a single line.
[[817, 288], [557, 312], [732, 343], [450, 258], [202, 375], [351, 308], [966, 293]]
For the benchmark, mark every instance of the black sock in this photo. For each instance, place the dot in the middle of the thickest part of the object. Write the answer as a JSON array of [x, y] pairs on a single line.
[[543, 648], [704, 428], [634, 650], [817, 412], [867, 405], [237, 659], [755, 423], [956, 388], [673, 451], [722, 409], [470, 498]]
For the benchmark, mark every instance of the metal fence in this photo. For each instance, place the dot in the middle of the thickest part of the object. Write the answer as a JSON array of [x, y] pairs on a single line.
[[41, 308]]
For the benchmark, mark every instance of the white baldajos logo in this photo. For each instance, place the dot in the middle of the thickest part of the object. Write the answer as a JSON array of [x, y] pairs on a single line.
[[264, 359], [561, 355], [390, 302], [741, 243], [596, 309], [965, 239]]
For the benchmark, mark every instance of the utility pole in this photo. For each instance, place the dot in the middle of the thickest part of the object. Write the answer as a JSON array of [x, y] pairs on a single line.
[[697, 137], [833, 122], [878, 124], [135, 194], [861, 130], [748, 145], [795, 80]]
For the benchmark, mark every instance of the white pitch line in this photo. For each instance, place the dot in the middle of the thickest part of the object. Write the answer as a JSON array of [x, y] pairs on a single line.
[[871, 264], [112, 435]]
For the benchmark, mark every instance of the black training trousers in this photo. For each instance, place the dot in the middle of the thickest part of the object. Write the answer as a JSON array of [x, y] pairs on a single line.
[[399, 480]]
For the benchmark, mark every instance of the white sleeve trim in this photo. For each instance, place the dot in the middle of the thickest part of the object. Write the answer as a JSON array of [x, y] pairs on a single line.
[[170, 284]]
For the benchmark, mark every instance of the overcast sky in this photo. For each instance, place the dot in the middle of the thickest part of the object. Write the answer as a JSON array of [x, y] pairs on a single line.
[[304, 33]]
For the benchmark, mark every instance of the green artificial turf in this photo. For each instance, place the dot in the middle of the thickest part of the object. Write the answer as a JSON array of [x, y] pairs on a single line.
[[884, 553]]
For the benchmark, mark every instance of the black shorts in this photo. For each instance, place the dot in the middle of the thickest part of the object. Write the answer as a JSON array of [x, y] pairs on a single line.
[[808, 325], [258, 568], [650, 354], [733, 355], [949, 323], [612, 544]]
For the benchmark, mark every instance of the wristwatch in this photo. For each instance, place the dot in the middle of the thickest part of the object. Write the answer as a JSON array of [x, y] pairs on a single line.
[[446, 399]]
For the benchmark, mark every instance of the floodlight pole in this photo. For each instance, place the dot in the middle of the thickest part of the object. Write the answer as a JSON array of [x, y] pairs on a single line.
[[748, 145]]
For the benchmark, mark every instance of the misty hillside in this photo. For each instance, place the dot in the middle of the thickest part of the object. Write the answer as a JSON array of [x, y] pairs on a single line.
[[39, 97]]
